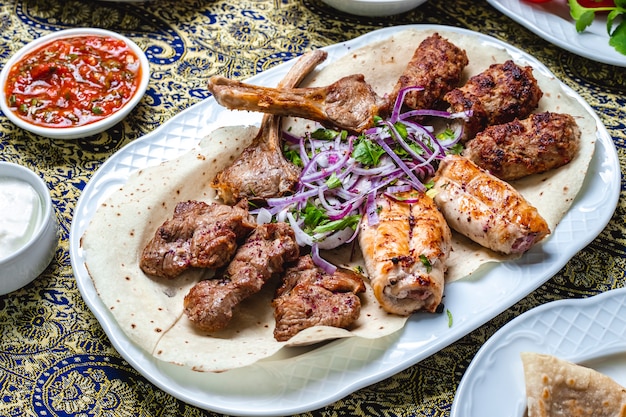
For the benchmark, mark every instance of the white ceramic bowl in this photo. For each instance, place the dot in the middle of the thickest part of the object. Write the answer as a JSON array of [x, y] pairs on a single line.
[[374, 8], [27, 262], [87, 129]]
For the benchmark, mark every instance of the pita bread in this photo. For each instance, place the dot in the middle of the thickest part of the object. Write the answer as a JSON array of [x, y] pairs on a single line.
[[558, 388], [150, 311]]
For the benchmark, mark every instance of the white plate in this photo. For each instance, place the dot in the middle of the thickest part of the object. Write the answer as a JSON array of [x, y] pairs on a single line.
[[589, 331], [317, 377], [374, 7], [553, 23]]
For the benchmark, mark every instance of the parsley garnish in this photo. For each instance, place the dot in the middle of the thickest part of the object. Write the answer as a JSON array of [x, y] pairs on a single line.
[[367, 152], [584, 16], [426, 263]]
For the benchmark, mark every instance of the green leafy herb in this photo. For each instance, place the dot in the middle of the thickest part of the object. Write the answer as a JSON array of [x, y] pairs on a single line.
[[313, 216], [401, 129], [446, 134], [349, 221], [324, 134], [426, 263], [293, 156], [367, 152], [616, 28], [449, 313], [455, 149], [333, 181]]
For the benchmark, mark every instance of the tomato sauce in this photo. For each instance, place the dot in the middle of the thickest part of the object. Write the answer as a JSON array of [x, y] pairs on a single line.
[[73, 81]]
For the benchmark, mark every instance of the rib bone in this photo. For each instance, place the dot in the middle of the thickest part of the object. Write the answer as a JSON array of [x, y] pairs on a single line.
[[350, 103], [261, 171]]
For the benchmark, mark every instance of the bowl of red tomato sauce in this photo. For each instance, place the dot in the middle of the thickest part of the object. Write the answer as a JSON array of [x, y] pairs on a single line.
[[74, 83]]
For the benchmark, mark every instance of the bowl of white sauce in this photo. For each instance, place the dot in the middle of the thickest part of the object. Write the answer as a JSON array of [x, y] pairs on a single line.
[[28, 227]]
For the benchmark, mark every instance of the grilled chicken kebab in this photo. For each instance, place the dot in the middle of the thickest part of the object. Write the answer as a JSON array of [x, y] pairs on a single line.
[[405, 253], [486, 209]]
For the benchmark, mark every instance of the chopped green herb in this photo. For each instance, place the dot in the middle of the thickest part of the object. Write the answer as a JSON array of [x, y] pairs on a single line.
[[324, 134], [333, 181], [367, 152], [426, 263], [293, 156], [348, 221]]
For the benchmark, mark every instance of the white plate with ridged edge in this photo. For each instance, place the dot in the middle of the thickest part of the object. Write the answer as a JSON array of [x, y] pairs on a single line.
[[317, 377], [589, 331], [552, 21]]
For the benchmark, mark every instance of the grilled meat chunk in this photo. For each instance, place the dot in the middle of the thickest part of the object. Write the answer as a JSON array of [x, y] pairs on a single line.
[[485, 208], [261, 171], [405, 253], [436, 66], [513, 150], [310, 297], [210, 303], [350, 103], [198, 235], [497, 95]]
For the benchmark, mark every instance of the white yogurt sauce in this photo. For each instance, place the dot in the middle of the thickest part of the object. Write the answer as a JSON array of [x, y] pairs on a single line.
[[20, 214]]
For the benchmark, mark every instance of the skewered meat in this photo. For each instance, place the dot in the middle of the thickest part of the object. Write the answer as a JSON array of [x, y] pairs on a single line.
[[261, 171], [497, 95], [405, 253], [210, 303], [513, 150], [310, 297], [350, 103], [437, 66], [198, 235], [486, 209]]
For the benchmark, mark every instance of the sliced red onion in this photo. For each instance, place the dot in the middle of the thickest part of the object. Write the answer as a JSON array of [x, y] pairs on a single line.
[[328, 267]]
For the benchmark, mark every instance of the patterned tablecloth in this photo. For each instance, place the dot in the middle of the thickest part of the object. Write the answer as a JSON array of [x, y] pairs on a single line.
[[55, 358]]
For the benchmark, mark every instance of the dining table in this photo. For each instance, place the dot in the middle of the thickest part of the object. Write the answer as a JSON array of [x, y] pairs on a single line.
[[56, 356]]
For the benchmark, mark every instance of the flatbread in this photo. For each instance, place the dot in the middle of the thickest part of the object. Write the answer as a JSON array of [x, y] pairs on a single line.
[[150, 311], [558, 388]]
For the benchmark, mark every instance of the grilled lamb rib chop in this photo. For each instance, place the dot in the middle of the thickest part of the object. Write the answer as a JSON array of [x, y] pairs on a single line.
[[349, 103], [310, 297], [261, 171], [210, 303]]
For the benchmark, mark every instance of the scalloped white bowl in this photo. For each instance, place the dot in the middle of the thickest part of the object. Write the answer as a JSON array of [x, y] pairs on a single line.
[[374, 8], [31, 259], [84, 130]]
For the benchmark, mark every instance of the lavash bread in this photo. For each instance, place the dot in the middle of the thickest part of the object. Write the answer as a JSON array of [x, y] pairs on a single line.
[[559, 388]]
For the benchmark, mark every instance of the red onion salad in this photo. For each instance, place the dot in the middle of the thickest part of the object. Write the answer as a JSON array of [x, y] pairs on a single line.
[[342, 175]]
